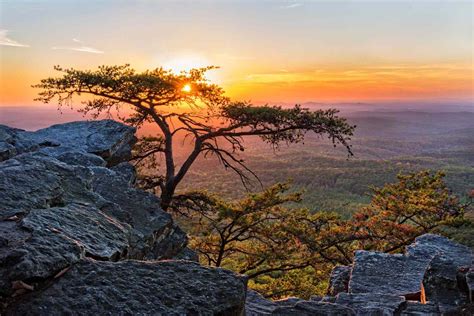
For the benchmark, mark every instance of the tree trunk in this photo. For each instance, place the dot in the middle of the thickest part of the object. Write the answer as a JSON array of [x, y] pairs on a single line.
[[167, 196]]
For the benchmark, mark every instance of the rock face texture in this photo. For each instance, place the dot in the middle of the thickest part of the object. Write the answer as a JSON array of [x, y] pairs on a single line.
[[339, 280], [138, 288], [77, 238], [433, 277]]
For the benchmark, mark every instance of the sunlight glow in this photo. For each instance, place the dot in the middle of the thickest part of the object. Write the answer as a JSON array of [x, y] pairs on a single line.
[[186, 88], [185, 63]]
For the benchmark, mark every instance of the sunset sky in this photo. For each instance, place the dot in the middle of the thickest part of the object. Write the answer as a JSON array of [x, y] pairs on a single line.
[[288, 51]]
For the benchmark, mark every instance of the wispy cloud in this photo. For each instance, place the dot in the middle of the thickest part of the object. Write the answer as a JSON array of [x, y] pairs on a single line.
[[6, 41], [80, 47], [291, 5]]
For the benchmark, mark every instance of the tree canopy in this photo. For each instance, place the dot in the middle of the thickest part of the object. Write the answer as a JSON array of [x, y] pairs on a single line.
[[214, 125], [287, 250]]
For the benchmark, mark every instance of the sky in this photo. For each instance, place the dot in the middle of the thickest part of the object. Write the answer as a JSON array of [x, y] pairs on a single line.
[[267, 51]]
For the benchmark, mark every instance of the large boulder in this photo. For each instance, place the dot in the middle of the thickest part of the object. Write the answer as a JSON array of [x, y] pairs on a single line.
[[430, 270], [71, 221], [138, 288], [393, 274], [441, 280], [108, 139]]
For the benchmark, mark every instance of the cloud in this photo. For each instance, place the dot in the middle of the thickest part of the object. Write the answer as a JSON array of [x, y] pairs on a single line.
[[6, 41], [79, 48], [292, 5]]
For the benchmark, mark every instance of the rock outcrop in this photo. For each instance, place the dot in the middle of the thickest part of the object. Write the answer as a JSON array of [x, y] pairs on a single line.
[[76, 237], [138, 288], [433, 277]]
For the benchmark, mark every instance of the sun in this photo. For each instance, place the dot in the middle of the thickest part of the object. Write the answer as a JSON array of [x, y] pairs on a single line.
[[186, 88], [186, 62]]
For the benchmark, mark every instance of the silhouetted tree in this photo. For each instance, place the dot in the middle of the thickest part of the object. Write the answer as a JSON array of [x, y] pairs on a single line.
[[215, 125]]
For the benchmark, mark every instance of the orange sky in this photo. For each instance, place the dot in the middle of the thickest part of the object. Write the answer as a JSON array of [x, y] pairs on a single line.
[[281, 51]]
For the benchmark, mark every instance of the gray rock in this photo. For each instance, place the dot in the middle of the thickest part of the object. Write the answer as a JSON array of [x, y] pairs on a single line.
[[256, 304], [81, 159], [36, 180], [60, 204], [138, 288], [470, 284], [420, 309], [7, 139], [440, 281], [428, 269], [187, 254], [6, 151], [372, 303], [288, 301], [127, 171], [328, 299], [46, 241], [310, 308], [108, 139], [155, 237], [382, 273], [339, 280]]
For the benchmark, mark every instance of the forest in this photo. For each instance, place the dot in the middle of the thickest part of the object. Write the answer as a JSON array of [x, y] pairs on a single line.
[[385, 144]]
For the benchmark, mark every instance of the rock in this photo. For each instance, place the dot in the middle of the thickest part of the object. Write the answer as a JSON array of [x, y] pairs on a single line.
[[156, 237], [127, 171], [256, 304], [81, 159], [154, 288], [470, 284], [309, 308], [46, 241], [429, 270], [187, 254], [108, 139], [60, 203], [36, 180], [6, 151], [339, 280], [420, 309], [372, 303], [288, 301], [382, 273], [440, 281]]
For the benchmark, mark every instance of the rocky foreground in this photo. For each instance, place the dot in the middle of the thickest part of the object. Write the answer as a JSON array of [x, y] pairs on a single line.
[[76, 237]]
